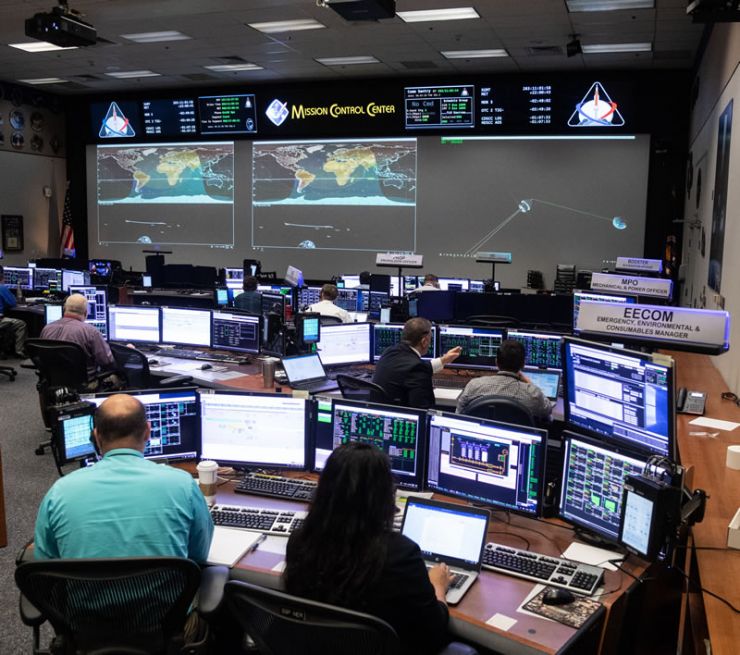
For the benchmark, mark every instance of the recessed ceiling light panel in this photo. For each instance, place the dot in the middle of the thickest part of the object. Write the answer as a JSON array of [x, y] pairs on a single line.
[[428, 15]]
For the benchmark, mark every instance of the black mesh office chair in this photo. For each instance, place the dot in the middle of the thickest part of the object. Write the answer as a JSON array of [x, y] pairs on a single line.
[[501, 408], [130, 606], [281, 624], [330, 320], [133, 367], [6, 337], [358, 389]]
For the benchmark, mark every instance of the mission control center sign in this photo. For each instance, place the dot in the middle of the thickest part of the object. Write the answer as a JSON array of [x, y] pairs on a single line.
[[684, 325]]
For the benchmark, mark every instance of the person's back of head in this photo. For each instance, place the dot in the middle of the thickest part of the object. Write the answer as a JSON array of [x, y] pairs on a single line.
[[76, 305], [431, 280], [250, 283], [120, 422], [329, 292], [341, 547], [510, 356], [414, 330]]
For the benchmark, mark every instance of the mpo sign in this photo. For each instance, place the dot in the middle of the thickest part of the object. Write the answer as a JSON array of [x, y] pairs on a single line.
[[637, 286]]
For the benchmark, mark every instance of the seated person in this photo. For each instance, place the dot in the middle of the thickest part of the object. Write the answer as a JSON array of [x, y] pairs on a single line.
[[326, 306], [508, 382], [72, 327], [401, 371], [346, 554], [125, 505], [251, 299], [18, 327], [431, 283]]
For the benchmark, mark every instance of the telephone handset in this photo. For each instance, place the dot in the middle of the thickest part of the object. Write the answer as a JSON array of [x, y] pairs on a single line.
[[690, 402]]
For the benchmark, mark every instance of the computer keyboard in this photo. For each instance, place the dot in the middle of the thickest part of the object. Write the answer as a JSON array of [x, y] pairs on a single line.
[[554, 571], [271, 521], [362, 373], [184, 353], [275, 486], [451, 381]]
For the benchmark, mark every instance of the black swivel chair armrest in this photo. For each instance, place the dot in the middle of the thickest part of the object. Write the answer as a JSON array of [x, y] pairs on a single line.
[[457, 648], [211, 590], [31, 366], [29, 614], [176, 380]]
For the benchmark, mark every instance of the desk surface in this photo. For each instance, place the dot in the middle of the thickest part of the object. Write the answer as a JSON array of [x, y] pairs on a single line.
[[492, 594], [719, 570]]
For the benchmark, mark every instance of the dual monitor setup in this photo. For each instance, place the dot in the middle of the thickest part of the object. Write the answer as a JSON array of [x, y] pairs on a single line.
[[619, 412], [31, 278]]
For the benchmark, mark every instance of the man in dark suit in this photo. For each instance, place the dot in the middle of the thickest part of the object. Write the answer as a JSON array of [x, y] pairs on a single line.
[[401, 371]]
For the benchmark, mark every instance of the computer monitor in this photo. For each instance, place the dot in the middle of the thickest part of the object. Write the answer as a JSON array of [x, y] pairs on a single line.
[[454, 284], [348, 343], [97, 307], [47, 279], [400, 432], [250, 429], [174, 419], [347, 299], [351, 281], [236, 332], [100, 267], [580, 296], [487, 462], [619, 395], [146, 281], [187, 327], [16, 275], [479, 345], [477, 286], [52, 313], [372, 302], [592, 484], [72, 434], [389, 334], [308, 328], [234, 278], [74, 278], [541, 349], [224, 296], [136, 324], [274, 303], [308, 296]]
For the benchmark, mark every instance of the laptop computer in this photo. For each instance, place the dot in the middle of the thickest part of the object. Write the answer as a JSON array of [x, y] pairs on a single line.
[[547, 379], [449, 533], [306, 372]]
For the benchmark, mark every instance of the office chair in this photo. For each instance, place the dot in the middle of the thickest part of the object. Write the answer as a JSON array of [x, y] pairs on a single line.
[[281, 624], [353, 388], [132, 606], [133, 367], [565, 278], [330, 320], [500, 408], [6, 337], [492, 321]]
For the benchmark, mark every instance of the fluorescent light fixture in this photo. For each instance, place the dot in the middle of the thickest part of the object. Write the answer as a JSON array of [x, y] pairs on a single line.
[[474, 54], [297, 25], [127, 75], [426, 15], [39, 46], [227, 68], [347, 61], [44, 80], [596, 49], [156, 37], [607, 5]]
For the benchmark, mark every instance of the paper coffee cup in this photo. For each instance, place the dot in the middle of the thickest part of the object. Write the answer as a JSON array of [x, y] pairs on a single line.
[[733, 457], [207, 479]]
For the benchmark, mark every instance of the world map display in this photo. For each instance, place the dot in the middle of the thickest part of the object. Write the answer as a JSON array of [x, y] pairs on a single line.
[[379, 172], [185, 173]]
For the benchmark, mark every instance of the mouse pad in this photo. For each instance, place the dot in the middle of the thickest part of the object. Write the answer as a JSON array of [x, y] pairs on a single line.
[[574, 614]]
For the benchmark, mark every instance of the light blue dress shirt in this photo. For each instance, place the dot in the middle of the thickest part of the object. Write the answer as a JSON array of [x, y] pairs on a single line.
[[124, 506]]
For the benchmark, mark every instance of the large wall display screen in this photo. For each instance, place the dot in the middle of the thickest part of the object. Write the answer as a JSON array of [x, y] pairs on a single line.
[[336, 195], [168, 193]]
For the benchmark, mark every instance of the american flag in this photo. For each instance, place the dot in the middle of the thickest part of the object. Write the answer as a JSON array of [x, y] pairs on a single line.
[[67, 244]]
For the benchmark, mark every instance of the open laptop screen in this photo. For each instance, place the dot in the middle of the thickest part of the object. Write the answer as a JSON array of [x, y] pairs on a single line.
[[303, 368]]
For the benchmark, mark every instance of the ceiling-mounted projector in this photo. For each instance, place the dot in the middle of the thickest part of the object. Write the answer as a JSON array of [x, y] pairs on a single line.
[[362, 9], [61, 27]]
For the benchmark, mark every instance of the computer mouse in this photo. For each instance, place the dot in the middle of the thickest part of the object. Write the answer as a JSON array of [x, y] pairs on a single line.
[[555, 596], [206, 367]]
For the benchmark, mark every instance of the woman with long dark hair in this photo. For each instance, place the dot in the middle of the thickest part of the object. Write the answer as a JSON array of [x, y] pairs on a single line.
[[347, 555]]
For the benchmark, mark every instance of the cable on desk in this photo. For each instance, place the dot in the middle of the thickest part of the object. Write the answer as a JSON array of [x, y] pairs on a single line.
[[512, 534], [706, 591]]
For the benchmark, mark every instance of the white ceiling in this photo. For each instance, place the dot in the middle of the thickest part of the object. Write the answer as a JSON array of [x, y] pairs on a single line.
[[219, 30]]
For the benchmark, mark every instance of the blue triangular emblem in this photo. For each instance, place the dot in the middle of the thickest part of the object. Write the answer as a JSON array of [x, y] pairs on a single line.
[[596, 110], [115, 124]]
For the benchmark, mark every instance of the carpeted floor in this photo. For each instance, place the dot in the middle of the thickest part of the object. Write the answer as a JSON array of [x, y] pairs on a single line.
[[26, 478]]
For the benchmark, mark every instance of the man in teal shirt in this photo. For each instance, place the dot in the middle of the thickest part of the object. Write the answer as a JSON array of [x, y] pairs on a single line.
[[123, 506]]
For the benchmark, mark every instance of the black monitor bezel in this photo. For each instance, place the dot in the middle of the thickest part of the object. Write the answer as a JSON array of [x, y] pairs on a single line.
[[610, 438], [185, 342], [147, 308], [58, 439], [456, 364], [434, 346], [544, 334], [340, 326], [236, 312], [496, 424]]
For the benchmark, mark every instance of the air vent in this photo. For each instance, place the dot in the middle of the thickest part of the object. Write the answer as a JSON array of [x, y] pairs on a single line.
[[87, 78], [199, 77], [545, 51], [230, 59], [418, 65]]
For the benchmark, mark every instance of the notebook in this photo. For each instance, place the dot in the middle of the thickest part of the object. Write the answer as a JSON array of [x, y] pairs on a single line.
[[307, 372], [449, 533]]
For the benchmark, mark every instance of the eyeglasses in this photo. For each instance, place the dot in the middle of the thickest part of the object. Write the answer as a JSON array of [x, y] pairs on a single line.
[[728, 395]]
